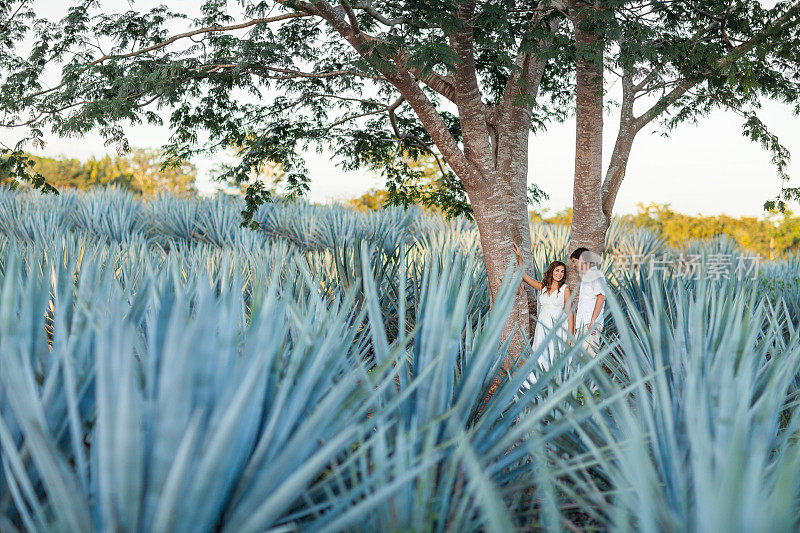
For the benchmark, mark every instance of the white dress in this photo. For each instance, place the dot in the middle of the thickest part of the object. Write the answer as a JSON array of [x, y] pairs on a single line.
[[550, 313]]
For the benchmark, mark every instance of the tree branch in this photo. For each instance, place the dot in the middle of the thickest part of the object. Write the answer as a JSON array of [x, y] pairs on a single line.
[[351, 16], [209, 29], [622, 147], [372, 12], [630, 125], [442, 84], [175, 38], [383, 108], [392, 118], [682, 87], [294, 74], [11, 17], [471, 109], [408, 87], [685, 84], [527, 70]]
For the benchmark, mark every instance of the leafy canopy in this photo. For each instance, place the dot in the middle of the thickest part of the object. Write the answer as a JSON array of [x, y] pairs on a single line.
[[277, 78]]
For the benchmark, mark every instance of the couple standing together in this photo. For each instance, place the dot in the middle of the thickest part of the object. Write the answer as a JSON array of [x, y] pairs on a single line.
[[556, 311]]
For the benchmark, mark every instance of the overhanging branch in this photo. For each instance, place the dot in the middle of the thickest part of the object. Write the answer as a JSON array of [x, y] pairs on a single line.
[[175, 38], [373, 12]]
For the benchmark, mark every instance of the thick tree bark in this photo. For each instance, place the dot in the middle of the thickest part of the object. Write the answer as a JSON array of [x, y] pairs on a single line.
[[496, 243], [616, 173], [492, 164], [589, 224], [489, 205], [475, 169], [628, 127], [511, 125], [512, 165]]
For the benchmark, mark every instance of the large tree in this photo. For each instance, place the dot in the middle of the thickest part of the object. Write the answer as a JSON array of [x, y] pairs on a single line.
[[674, 61], [455, 80], [460, 80]]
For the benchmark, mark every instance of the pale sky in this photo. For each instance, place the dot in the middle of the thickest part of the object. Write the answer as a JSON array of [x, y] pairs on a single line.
[[708, 168]]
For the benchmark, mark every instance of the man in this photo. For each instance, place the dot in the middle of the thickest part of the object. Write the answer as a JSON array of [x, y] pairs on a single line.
[[591, 298]]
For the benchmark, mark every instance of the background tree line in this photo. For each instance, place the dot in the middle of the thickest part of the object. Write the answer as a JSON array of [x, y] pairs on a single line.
[[773, 236], [140, 170]]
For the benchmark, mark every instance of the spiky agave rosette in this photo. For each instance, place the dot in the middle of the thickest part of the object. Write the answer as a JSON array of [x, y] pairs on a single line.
[[163, 369]]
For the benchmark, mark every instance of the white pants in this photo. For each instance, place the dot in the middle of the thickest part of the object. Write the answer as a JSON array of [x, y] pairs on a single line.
[[591, 342]]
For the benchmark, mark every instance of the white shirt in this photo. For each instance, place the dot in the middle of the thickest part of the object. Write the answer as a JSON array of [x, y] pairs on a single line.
[[592, 284]]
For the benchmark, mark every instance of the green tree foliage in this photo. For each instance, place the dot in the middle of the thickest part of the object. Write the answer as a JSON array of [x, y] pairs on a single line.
[[561, 217], [372, 200], [429, 183], [140, 171], [150, 174], [773, 236], [270, 174], [17, 167], [372, 83], [432, 186]]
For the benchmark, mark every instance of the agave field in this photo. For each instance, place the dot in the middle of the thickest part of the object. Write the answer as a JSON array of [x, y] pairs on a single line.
[[163, 369]]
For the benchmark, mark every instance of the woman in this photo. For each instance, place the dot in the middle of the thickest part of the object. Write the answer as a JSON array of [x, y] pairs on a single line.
[[553, 301]]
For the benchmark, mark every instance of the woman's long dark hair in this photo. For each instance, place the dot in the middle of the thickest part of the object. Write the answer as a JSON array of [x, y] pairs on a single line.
[[548, 275]]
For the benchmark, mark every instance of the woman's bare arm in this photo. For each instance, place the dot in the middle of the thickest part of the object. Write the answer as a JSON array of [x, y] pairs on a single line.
[[532, 282], [526, 278]]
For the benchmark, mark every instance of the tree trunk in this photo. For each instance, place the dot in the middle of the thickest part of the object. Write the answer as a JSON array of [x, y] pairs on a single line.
[[511, 135], [616, 171], [494, 228], [511, 154], [499, 205], [489, 206], [589, 224]]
